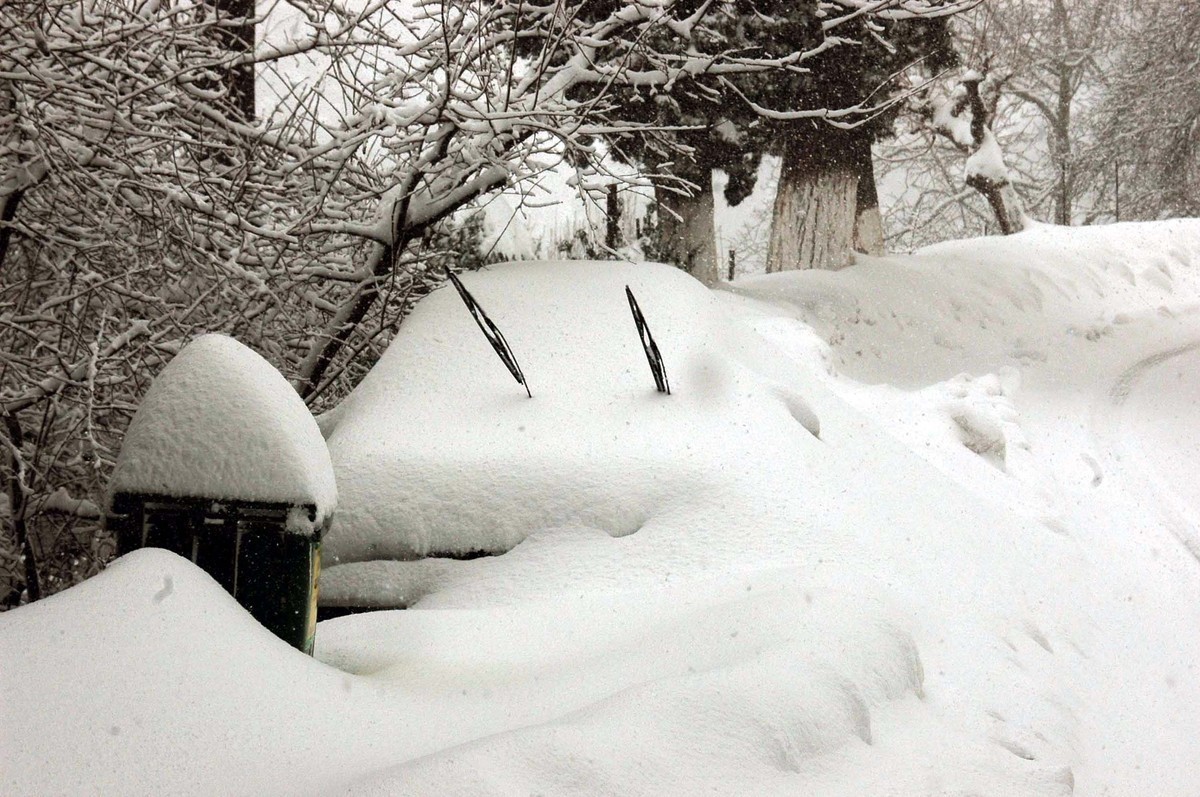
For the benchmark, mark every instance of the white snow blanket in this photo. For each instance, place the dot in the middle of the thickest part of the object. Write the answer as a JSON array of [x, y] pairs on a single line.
[[439, 450], [980, 578]]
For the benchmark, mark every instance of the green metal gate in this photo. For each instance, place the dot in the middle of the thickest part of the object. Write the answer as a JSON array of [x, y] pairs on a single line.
[[244, 545]]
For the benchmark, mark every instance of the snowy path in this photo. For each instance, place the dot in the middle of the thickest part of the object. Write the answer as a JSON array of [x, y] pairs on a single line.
[[1157, 402], [1137, 524]]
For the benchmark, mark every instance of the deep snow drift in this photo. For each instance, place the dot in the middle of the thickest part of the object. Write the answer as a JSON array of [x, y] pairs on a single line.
[[440, 451], [981, 577]]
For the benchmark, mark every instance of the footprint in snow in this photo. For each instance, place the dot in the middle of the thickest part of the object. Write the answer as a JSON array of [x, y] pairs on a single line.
[[167, 589]]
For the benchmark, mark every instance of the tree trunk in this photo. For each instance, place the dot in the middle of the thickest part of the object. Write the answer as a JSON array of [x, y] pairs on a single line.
[[812, 223], [612, 218], [687, 235], [1060, 126], [1061, 148], [985, 167], [868, 221], [348, 317], [238, 41], [1004, 201]]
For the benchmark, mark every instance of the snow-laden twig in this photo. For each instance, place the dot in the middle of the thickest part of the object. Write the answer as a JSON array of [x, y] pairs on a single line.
[[72, 374]]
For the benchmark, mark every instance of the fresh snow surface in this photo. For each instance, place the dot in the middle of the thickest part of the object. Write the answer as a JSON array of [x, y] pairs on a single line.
[[439, 450], [220, 421], [980, 578]]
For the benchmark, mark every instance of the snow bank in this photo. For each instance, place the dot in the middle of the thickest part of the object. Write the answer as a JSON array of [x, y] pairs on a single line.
[[977, 305], [220, 421], [1017, 368], [150, 679]]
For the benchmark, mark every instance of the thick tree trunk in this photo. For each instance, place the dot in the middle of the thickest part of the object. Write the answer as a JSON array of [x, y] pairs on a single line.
[[687, 235], [812, 223], [868, 221]]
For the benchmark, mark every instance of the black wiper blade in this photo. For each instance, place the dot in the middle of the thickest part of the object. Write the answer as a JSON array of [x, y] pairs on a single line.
[[492, 333], [653, 356]]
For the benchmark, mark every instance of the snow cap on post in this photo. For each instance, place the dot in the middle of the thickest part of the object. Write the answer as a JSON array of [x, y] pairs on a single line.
[[221, 422]]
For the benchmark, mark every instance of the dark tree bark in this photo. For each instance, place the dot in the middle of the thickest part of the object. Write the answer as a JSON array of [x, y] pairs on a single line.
[[687, 235], [1003, 201], [349, 316], [8, 214], [612, 218], [14, 192], [1061, 147], [868, 221], [813, 218], [985, 168], [998, 190], [235, 34]]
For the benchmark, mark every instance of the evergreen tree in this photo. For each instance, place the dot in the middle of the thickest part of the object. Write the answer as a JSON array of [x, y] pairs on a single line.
[[677, 135], [826, 205], [821, 119]]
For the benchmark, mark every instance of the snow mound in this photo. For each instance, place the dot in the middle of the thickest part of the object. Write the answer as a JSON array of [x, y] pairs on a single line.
[[150, 679], [439, 451], [132, 667], [982, 304], [768, 684], [220, 421]]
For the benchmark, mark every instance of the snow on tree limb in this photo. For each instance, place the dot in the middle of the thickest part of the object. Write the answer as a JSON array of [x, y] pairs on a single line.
[[71, 374], [963, 115], [539, 106], [897, 9]]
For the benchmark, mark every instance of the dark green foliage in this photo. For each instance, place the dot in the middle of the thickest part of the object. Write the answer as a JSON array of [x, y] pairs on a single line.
[[859, 73], [723, 129], [697, 124], [456, 245]]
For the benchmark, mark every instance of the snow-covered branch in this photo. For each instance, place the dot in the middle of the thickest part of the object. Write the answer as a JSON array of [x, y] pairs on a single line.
[[963, 115]]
